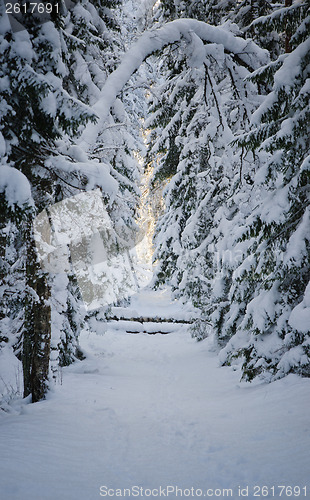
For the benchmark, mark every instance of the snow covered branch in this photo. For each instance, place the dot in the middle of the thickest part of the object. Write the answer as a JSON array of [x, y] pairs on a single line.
[[194, 32]]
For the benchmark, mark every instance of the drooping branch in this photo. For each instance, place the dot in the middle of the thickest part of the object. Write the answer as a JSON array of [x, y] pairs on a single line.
[[246, 52]]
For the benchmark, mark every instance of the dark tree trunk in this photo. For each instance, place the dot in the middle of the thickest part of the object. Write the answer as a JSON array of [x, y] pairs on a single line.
[[3, 265], [288, 33], [37, 336]]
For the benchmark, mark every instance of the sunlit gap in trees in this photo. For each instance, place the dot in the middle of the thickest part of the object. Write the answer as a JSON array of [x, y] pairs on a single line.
[[150, 208]]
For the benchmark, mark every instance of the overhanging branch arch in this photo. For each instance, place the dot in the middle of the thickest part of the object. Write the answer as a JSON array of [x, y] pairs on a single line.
[[245, 52]]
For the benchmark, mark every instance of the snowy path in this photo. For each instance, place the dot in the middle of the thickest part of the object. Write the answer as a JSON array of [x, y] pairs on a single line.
[[156, 411]]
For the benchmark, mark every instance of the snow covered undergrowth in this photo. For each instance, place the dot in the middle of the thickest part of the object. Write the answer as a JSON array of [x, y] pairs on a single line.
[[155, 411]]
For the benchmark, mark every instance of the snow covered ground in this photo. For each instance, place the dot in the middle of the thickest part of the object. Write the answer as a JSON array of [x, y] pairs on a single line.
[[156, 412]]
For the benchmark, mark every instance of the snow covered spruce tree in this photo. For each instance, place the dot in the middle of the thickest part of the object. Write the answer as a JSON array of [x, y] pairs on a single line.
[[15, 210], [272, 283], [51, 73], [215, 241], [216, 12], [22, 121], [204, 103]]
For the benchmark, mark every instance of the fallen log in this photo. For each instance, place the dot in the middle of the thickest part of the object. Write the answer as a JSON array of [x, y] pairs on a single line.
[[149, 333], [151, 320]]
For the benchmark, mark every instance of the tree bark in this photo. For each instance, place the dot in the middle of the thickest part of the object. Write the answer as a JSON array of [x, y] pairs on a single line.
[[37, 335], [288, 34]]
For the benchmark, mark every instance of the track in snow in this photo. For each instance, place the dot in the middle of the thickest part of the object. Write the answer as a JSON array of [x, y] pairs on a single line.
[[154, 411]]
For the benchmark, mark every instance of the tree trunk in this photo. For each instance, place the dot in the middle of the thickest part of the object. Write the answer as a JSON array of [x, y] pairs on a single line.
[[37, 335], [3, 265], [288, 33]]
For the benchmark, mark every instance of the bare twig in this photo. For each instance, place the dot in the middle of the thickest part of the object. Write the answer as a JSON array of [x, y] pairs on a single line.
[[207, 77]]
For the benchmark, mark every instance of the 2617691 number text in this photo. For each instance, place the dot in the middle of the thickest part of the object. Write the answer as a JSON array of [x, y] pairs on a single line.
[[31, 8]]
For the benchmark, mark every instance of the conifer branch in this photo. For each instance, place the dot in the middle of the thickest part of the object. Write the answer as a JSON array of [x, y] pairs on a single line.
[[60, 178], [207, 77]]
